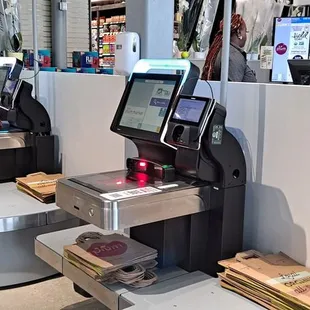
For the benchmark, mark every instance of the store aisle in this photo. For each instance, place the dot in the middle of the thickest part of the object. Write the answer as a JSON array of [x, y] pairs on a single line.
[[56, 294]]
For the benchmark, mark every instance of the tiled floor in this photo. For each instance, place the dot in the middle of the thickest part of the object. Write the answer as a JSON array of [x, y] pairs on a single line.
[[56, 294]]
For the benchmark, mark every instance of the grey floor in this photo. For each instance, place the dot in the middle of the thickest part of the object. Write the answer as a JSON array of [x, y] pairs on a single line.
[[56, 294]]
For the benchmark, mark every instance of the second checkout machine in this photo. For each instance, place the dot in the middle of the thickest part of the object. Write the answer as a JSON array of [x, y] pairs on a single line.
[[183, 195], [26, 143]]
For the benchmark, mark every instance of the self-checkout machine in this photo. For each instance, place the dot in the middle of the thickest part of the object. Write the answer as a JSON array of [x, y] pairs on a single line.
[[183, 195], [26, 146]]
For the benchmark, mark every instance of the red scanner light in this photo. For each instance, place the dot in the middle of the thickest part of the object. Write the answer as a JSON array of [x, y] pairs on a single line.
[[142, 164]]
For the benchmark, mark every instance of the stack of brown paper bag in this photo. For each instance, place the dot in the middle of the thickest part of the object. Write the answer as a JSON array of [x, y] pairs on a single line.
[[40, 186], [273, 281], [114, 258]]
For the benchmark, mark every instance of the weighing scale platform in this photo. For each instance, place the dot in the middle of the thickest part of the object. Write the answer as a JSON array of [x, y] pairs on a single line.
[[112, 202], [176, 288]]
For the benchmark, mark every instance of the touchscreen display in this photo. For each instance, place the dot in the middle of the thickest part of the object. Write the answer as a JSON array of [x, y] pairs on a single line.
[[9, 87], [3, 77], [147, 104], [189, 110]]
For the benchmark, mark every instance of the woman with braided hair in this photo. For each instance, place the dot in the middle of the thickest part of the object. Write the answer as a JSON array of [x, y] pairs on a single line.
[[239, 71]]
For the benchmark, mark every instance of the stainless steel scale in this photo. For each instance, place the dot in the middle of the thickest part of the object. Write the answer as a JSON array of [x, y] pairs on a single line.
[[184, 194], [14, 140]]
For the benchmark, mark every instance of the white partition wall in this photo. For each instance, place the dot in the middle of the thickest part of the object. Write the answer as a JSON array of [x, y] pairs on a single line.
[[82, 108], [272, 124], [282, 211]]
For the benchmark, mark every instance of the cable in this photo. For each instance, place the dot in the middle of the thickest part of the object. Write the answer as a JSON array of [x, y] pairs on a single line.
[[210, 86], [32, 77], [212, 94]]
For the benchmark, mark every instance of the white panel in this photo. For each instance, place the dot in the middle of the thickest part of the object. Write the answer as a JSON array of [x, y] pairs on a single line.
[[274, 123], [82, 108], [282, 211]]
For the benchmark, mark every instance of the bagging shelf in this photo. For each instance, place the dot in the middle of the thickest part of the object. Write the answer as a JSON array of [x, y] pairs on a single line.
[[175, 288]]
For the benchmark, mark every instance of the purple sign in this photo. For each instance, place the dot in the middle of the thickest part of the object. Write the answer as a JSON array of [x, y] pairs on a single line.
[[160, 103], [281, 49]]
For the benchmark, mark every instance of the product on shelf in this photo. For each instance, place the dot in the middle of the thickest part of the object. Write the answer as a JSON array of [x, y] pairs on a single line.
[[44, 58], [108, 38], [108, 61], [115, 19], [108, 71], [106, 49], [85, 59], [69, 70], [88, 70], [102, 21], [104, 32], [115, 28], [94, 40]]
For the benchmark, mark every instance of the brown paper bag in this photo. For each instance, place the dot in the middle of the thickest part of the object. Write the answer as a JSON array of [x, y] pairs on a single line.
[[39, 185], [109, 253], [280, 277]]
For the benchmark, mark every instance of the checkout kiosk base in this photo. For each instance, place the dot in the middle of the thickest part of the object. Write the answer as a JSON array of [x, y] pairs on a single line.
[[175, 289]]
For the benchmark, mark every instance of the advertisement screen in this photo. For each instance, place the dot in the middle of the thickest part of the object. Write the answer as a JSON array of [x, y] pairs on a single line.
[[291, 41]]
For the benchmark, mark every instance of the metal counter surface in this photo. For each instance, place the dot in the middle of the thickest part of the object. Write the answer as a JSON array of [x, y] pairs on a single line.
[[20, 211], [191, 291]]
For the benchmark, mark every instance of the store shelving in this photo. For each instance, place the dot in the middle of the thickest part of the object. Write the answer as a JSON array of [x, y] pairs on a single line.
[[108, 7], [108, 20], [107, 24]]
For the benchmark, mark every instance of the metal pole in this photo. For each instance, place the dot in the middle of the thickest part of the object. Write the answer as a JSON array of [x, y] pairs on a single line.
[[225, 52], [59, 33], [35, 48]]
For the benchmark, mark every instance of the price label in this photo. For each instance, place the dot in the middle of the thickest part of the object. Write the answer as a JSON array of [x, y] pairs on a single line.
[[266, 56]]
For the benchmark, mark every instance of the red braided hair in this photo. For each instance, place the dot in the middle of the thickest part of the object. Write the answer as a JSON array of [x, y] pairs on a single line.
[[236, 23]]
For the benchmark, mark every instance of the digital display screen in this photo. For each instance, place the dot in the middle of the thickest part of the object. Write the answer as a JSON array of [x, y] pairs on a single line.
[[10, 87], [3, 77], [189, 110], [147, 104], [291, 41]]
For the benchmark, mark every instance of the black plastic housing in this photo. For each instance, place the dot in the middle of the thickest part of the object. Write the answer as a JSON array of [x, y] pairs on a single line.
[[29, 114], [39, 157], [26, 114]]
